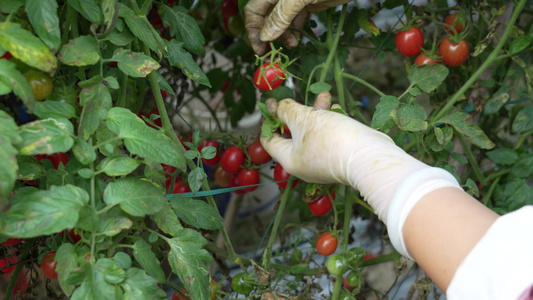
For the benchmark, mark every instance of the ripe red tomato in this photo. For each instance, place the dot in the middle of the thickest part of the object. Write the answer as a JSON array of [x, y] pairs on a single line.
[[182, 295], [41, 84], [180, 188], [281, 174], [164, 93], [74, 237], [248, 177], [258, 154], [453, 54], [422, 59], [48, 265], [273, 74], [221, 177], [233, 181], [7, 55], [455, 21], [322, 205], [9, 260], [55, 158], [21, 284], [410, 41], [12, 242], [232, 159], [326, 244], [212, 161]]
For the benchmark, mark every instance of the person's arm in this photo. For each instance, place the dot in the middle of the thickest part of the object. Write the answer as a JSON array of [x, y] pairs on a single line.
[[428, 216]]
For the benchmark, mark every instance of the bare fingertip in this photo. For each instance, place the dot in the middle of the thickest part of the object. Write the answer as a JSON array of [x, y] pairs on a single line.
[[323, 100]]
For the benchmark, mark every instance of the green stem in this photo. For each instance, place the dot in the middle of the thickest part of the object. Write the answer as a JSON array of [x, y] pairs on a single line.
[[93, 206], [309, 83], [348, 202], [356, 113], [490, 59], [167, 128], [522, 139], [498, 174], [284, 199], [337, 287], [364, 204], [471, 159], [340, 85], [394, 256], [123, 88], [363, 82], [332, 43], [28, 245], [486, 197]]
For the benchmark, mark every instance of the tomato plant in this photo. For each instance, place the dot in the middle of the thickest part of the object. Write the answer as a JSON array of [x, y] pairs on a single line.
[[232, 159], [326, 244], [453, 54], [258, 154], [41, 84], [322, 205], [280, 174], [241, 284], [49, 264], [269, 77], [409, 42]]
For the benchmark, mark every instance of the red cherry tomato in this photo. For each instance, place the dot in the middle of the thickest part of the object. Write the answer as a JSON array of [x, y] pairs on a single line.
[[455, 21], [180, 188], [40, 83], [21, 284], [233, 181], [73, 235], [248, 177], [12, 242], [368, 255], [9, 260], [422, 59], [182, 295], [48, 265], [326, 244], [55, 158], [409, 42], [281, 174], [212, 161], [221, 177], [322, 205], [453, 54], [164, 94], [232, 159], [258, 154], [7, 55], [273, 74]]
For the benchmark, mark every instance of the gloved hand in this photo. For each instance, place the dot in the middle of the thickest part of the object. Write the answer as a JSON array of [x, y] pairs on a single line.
[[267, 20], [328, 147]]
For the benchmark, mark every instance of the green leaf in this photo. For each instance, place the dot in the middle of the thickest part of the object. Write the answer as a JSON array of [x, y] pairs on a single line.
[[523, 168], [81, 51], [188, 260], [96, 101], [196, 178], [93, 285], [108, 140], [8, 160], [113, 225], [519, 44], [427, 77], [44, 20], [83, 151], [122, 260], [143, 140], [118, 165], [196, 213], [54, 109], [29, 168], [410, 117], [134, 64], [10, 6], [135, 196], [191, 154], [382, 119], [26, 47], [67, 261], [439, 135], [497, 100], [167, 220], [471, 131], [472, 187], [86, 173], [111, 82], [366, 22], [178, 57], [46, 136], [318, 87], [88, 9], [504, 156], [524, 120], [140, 286], [184, 28], [209, 152], [142, 251], [44, 212], [110, 11], [163, 84], [458, 157], [121, 38], [142, 29], [16, 82]]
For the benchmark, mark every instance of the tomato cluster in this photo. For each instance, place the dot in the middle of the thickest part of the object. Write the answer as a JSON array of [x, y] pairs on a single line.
[[453, 50]]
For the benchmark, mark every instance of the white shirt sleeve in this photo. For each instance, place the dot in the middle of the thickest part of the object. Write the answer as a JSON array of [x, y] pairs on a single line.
[[500, 266]]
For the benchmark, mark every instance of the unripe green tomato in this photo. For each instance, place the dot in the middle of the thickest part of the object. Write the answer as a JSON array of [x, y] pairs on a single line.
[[236, 25], [41, 84], [354, 278], [240, 285], [337, 264], [346, 296]]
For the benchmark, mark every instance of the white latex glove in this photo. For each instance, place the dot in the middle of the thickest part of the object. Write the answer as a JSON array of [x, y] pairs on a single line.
[[328, 147], [267, 20]]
